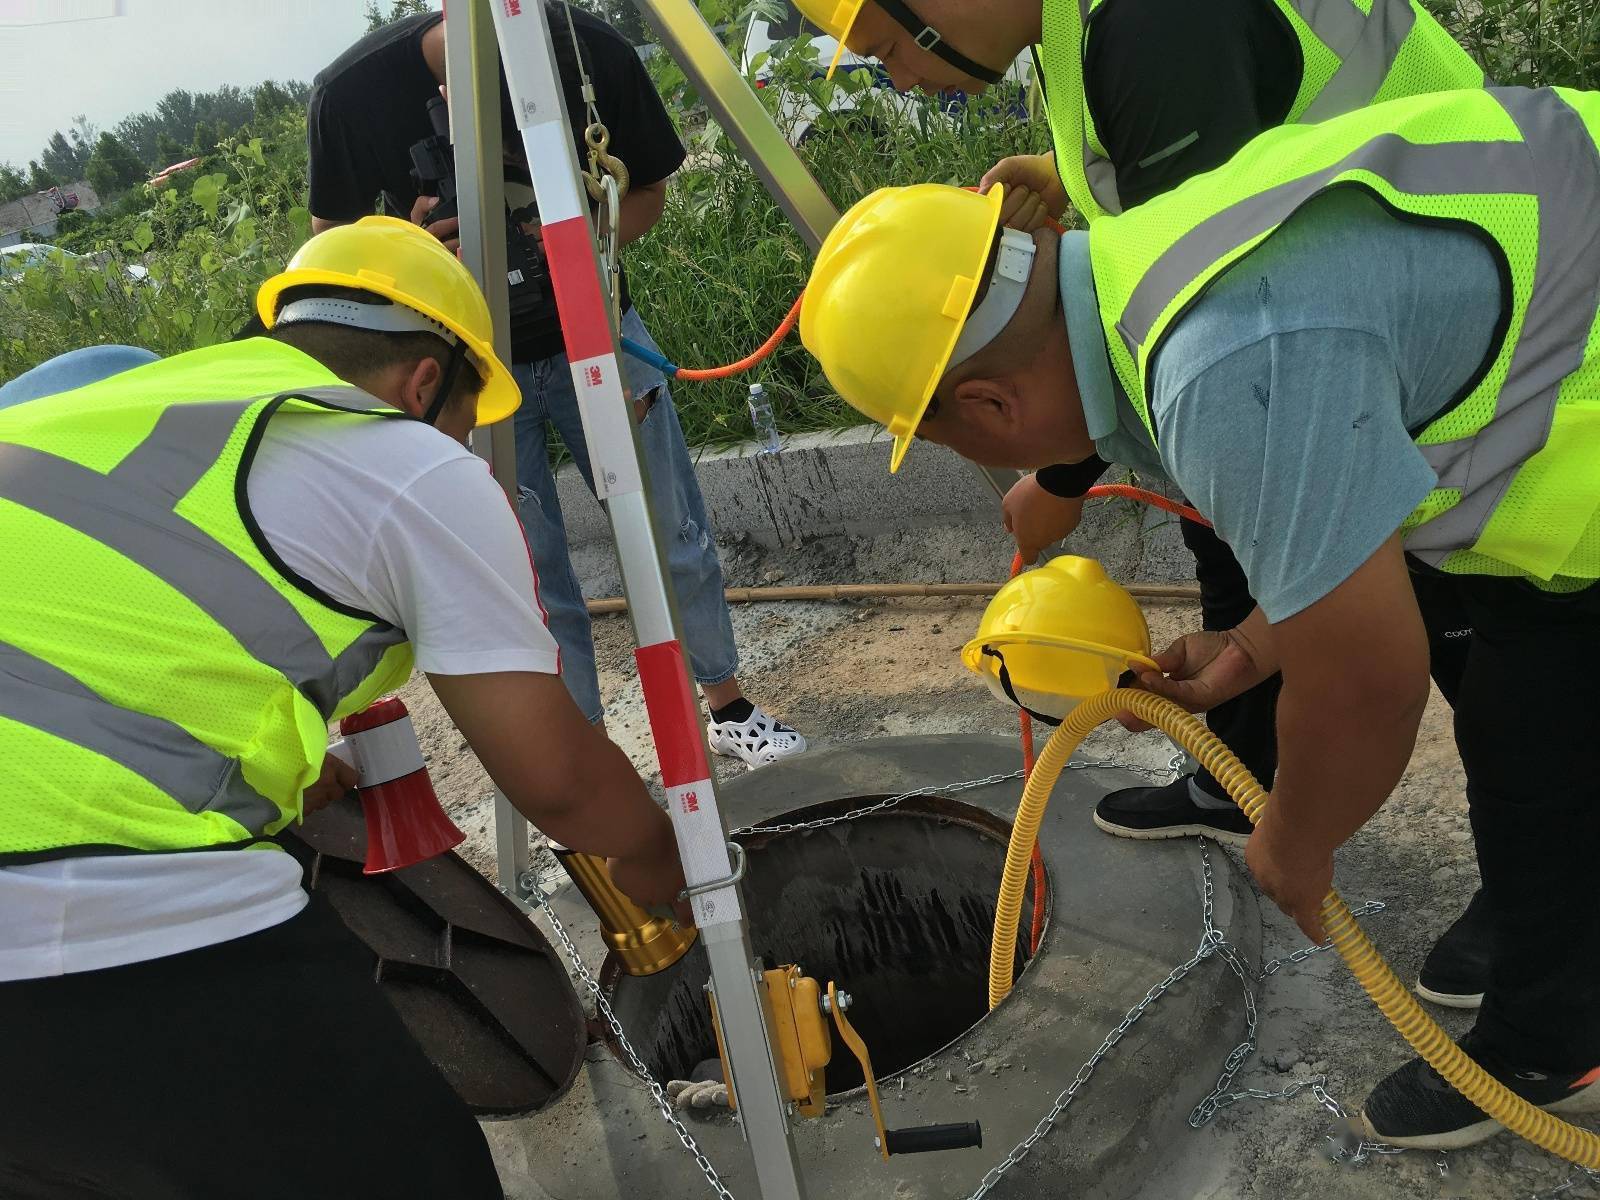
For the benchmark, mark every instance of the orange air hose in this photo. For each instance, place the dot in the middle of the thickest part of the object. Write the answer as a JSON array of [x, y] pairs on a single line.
[[751, 359]]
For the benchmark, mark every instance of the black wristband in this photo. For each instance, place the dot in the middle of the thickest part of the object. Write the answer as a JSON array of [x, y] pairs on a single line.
[[1071, 480]]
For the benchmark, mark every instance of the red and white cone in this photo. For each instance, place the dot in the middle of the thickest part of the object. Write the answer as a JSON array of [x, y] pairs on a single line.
[[405, 824]]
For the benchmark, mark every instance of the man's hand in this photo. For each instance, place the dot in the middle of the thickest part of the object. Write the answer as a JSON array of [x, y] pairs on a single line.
[[337, 778], [1295, 875], [447, 231], [1202, 670], [1034, 194], [1037, 518], [654, 877]]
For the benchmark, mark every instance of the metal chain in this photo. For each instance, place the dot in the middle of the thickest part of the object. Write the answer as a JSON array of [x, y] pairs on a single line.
[[657, 1092], [1576, 1177], [1021, 1150], [1273, 966], [1153, 774]]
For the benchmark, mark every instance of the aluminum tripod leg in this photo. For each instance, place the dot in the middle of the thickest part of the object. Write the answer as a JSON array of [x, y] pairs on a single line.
[[621, 480], [472, 69]]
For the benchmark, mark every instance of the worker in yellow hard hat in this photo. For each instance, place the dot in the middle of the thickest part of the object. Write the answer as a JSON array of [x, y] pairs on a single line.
[[207, 559], [1366, 352], [1140, 96]]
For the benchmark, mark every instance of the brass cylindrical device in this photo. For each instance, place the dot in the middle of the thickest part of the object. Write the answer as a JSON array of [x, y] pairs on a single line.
[[644, 943]]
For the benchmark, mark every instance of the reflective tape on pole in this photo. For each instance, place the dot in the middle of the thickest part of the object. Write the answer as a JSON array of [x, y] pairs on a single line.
[[686, 776]]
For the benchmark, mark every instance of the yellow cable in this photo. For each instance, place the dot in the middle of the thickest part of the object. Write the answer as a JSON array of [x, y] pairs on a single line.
[[1393, 999]]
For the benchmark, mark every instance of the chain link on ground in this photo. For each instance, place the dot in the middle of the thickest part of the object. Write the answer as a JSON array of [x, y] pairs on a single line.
[[1346, 1149], [657, 1093], [1154, 774]]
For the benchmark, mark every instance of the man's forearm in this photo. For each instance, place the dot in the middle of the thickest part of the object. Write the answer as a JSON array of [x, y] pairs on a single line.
[[1341, 750], [639, 211], [605, 811]]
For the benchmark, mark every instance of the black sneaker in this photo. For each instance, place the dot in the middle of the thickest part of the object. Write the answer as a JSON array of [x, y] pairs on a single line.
[[1456, 971], [1416, 1108], [1153, 813]]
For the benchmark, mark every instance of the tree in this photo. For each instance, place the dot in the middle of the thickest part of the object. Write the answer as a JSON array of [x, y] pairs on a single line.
[[39, 178], [621, 15], [113, 168], [169, 150], [13, 183], [398, 9], [268, 100], [59, 158], [205, 138]]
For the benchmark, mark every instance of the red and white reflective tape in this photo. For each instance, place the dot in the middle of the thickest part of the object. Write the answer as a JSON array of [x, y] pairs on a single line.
[[686, 775], [569, 248]]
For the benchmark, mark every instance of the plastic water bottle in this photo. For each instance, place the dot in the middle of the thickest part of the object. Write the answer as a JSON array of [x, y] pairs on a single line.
[[761, 418]]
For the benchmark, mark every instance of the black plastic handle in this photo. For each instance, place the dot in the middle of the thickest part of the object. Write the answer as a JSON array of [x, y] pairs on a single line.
[[922, 1139]]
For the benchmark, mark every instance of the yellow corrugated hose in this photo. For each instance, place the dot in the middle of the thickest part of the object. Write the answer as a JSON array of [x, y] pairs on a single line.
[[1375, 976]]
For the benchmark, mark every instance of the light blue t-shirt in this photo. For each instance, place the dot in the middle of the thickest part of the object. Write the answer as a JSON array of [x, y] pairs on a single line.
[[1284, 398], [74, 369]]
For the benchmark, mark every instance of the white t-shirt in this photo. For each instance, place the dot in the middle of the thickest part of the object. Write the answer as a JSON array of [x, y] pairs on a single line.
[[388, 516]]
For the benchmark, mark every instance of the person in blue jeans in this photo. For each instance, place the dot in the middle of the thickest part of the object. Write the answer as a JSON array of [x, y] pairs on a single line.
[[737, 728], [366, 110]]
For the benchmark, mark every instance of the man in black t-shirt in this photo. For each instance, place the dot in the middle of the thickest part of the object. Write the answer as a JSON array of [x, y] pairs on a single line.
[[366, 111]]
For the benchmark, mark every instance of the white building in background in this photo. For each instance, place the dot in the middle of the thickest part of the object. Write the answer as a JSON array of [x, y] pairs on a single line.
[[33, 218]]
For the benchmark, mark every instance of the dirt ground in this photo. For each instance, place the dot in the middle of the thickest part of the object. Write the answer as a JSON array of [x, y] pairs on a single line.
[[847, 671]]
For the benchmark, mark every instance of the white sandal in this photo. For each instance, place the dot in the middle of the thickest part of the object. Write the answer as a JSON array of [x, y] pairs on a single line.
[[759, 739]]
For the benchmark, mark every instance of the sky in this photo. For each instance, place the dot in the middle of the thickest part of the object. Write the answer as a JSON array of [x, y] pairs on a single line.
[[110, 58]]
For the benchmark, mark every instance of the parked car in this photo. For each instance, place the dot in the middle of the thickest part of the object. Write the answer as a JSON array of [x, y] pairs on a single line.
[[15, 260], [798, 113]]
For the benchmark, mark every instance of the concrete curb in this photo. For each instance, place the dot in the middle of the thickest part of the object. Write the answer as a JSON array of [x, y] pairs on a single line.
[[819, 485], [837, 484]]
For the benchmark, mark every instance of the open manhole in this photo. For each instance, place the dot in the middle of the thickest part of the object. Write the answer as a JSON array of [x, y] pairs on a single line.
[[897, 908]]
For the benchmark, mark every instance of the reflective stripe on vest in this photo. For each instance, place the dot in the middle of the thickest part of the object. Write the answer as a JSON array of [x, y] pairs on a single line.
[[1364, 37], [233, 594], [233, 756], [1552, 160], [43, 697]]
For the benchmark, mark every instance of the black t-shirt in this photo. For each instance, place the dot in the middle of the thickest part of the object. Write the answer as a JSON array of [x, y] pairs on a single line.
[[369, 107], [1158, 72]]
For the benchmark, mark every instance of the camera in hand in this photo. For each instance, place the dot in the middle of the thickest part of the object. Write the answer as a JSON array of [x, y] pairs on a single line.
[[433, 170]]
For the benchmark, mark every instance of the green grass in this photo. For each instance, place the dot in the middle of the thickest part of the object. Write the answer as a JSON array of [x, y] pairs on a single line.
[[712, 280]]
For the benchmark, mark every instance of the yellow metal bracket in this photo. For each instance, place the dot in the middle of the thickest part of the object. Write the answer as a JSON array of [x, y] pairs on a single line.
[[797, 1024], [798, 1031]]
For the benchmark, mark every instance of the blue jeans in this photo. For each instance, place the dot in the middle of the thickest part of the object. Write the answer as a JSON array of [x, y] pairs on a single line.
[[548, 400]]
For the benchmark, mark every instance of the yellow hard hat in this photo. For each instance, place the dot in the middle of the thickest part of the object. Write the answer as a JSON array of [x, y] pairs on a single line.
[[406, 264], [1058, 634], [892, 287], [835, 18]]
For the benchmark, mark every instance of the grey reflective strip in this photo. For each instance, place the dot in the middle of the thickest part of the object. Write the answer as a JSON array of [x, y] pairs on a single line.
[[44, 697], [1445, 169], [186, 442], [1338, 24], [1364, 64], [361, 657], [1102, 177], [119, 511], [1555, 328], [1182, 143], [1098, 171]]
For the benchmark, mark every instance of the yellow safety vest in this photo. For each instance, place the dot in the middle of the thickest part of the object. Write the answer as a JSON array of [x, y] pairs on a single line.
[[165, 681], [1517, 458], [1353, 53]]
